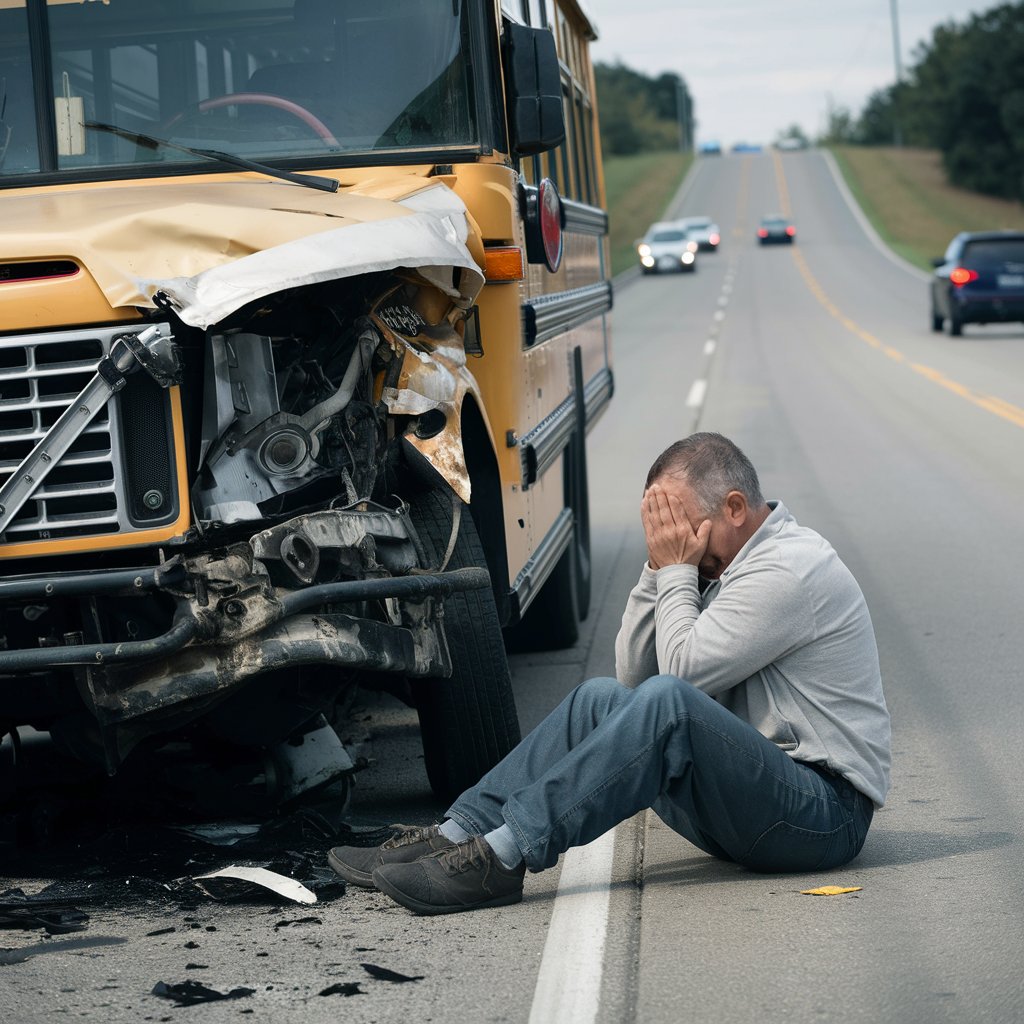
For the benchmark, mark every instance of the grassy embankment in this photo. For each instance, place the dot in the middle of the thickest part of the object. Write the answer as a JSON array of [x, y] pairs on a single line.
[[904, 193], [638, 189]]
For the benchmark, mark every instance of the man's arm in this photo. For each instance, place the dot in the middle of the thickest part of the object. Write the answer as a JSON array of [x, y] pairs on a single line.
[[636, 658], [757, 617]]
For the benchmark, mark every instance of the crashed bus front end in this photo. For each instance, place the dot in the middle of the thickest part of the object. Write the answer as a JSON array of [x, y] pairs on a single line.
[[207, 503], [266, 433]]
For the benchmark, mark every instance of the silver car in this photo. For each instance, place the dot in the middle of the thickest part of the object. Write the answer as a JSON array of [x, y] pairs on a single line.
[[704, 231], [667, 246]]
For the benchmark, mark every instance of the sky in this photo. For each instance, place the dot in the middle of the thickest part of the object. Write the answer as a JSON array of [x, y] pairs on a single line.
[[754, 67]]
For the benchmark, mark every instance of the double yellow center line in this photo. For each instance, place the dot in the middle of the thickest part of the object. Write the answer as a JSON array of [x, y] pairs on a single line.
[[990, 403]]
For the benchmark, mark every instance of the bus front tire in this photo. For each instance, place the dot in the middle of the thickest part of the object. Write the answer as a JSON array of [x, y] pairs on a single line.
[[468, 721]]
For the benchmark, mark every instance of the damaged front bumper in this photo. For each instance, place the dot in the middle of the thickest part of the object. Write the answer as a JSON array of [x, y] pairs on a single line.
[[339, 587]]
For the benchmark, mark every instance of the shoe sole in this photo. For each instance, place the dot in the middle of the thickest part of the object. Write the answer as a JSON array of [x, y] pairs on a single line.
[[431, 909], [363, 879]]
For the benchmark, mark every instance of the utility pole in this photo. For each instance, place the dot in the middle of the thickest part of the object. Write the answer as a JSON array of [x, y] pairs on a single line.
[[897, 134]]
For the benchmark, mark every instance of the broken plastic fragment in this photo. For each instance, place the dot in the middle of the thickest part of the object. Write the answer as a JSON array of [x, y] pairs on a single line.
[[224, 883], [189, 993], [831, 890], [383, 974]]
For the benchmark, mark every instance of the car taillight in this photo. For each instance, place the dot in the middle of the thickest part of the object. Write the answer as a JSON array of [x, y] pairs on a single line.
[[962, 276], [762, 232], [791, 231], [714, 239]]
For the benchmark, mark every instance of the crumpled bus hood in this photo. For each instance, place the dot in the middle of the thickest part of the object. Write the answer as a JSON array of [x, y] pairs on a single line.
[[211, 246]]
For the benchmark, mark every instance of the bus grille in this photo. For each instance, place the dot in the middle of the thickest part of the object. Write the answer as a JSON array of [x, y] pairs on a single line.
[[118, 477]]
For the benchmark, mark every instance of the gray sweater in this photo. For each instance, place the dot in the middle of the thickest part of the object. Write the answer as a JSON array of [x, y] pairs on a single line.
[[783, 640]]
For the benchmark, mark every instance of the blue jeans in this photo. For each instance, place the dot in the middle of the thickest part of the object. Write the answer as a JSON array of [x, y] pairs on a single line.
[[607, 752]]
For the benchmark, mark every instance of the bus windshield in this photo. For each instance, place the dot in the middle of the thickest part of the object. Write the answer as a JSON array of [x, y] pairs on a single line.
[[255, 78]]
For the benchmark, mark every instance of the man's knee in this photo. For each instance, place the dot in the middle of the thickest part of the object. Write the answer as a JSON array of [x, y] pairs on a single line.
[[670, 694], [599, 696]]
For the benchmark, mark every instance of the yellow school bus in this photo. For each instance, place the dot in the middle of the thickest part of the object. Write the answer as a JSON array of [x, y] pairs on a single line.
[[303, 324]]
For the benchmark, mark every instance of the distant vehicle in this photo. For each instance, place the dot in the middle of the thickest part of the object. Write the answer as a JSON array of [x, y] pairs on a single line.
[[667, 247], [790, 143], [704, 231], [710, 148], [746, 147], [980, 280], [775, 229]]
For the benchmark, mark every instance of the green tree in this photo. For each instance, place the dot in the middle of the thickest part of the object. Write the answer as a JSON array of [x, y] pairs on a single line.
[[963, 95], [638, 113]]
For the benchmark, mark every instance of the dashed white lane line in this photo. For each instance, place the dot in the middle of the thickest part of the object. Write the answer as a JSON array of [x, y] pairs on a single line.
[[709, 347], [719, 314], [695, 399], [569, 983]]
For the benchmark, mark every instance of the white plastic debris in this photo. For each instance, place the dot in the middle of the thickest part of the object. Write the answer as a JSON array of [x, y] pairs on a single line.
[[281, 884]]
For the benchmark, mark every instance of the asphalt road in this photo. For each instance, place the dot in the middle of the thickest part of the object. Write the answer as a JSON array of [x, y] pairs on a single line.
[[904, 449]]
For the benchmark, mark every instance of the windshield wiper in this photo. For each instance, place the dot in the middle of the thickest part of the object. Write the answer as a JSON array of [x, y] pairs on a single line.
[[151, 142]]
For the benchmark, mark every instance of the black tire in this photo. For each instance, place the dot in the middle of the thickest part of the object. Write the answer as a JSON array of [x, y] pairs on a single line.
[[468, 722], [956, 325], [937, 320]]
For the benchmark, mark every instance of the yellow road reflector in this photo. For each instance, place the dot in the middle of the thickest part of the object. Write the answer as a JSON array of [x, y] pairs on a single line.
[[831, 890]]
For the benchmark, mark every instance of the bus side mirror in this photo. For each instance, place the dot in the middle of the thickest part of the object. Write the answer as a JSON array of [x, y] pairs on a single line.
[[533, 87]]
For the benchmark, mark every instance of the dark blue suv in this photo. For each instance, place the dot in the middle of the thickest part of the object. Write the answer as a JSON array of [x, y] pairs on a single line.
[[980, 280]]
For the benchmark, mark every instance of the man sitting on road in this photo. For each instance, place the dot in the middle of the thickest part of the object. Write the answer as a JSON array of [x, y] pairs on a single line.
[[749, 716]]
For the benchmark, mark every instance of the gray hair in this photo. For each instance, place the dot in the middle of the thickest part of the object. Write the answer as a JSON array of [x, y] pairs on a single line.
[[712, 466]]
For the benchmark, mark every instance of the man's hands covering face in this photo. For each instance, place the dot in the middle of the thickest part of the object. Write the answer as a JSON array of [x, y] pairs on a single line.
[[671, 539]]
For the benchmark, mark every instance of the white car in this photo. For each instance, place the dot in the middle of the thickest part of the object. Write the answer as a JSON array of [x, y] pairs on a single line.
[[704, 231], [667, 246]]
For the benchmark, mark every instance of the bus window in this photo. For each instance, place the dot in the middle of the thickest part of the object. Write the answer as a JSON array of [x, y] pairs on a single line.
[[19, 150]]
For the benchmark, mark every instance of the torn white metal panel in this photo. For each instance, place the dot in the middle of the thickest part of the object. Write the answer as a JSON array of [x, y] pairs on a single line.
[[430, 236], [225, 881]]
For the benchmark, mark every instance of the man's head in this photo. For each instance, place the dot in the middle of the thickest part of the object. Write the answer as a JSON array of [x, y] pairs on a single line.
[[713, 480]]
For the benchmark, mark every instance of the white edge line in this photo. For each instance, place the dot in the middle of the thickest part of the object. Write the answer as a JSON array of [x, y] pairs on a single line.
[[695, 399], [569, 982], [859, 216]]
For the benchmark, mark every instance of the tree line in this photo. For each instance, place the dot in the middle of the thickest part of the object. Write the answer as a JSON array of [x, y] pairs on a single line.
[[639, 113], [963, 95]]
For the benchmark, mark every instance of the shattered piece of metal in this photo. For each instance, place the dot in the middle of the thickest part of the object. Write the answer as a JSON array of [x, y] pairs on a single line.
[[312, 761], [383, 974], [229, 882], [161, 931], [343, 988], [191, 993], [28, 912]]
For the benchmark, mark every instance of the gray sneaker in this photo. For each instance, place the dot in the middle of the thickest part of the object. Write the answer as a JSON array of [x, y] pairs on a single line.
[[466, 876], [356, 863]]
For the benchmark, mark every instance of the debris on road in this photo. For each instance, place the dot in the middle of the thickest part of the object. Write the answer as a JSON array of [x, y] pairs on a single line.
[[27, 912], [383, 974], [19, 956], [343, 988], [234, 880], [831, 890], [190, 993], [297, 920]]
